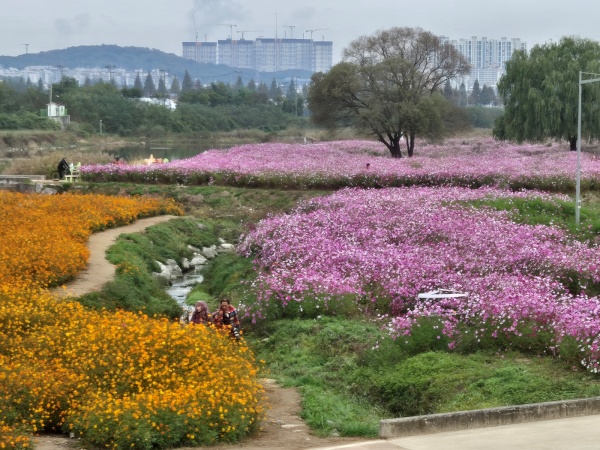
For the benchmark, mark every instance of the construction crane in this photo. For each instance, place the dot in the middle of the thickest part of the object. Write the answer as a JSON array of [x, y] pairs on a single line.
[[246, 31], [316, 29], [230, 25], [195, 29], [291, 27]]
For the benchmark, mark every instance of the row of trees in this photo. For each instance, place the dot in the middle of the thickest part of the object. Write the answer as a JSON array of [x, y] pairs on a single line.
[[485, 96], [394, 85], [397, 84], [194, 89], [217, 107]]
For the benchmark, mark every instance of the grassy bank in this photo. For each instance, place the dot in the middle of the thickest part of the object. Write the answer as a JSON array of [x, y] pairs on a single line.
[[350, 373]]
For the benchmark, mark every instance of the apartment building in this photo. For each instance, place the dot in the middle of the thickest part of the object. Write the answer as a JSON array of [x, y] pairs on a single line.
[[266, 54], [203, 52], [487, 57]]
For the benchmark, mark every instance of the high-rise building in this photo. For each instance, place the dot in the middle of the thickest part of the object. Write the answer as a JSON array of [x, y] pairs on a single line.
[[323, 56], [236, 53], [202, 52], [487, 57], [265, 54]]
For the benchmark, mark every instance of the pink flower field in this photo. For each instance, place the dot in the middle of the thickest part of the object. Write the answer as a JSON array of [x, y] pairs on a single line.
[[392, 244], [377, 249], [470, 163]]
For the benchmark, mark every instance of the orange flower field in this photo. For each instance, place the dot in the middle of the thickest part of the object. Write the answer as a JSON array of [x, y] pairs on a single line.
[[43, 237], [116, 379]]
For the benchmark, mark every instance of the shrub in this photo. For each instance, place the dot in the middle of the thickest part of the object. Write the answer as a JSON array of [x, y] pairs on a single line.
[[121, 379]]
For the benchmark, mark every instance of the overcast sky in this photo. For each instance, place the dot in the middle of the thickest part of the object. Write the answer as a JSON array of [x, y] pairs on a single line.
[[163, 25]]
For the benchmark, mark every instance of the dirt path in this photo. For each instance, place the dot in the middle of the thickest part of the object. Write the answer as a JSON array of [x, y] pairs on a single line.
[[99, 271], [282, 428]]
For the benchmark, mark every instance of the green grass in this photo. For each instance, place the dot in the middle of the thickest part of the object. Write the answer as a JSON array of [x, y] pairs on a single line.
[[350, 375], [556, 213], [135, 256], [344, 379]]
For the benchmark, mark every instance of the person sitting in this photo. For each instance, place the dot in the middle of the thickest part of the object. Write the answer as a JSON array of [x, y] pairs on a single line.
[[63, 168], [200, 314], [226, 316]]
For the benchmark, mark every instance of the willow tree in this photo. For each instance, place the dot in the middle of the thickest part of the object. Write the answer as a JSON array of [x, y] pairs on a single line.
[[540, 92], [386, 86]]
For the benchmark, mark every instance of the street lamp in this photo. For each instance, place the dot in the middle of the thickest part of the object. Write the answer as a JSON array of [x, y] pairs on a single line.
[[578, 178]]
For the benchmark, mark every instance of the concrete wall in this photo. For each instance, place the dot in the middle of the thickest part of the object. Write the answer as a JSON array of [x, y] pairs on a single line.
[[436, 423]]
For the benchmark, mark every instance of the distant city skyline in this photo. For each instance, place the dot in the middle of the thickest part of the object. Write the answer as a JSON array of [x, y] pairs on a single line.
[[37, 25]]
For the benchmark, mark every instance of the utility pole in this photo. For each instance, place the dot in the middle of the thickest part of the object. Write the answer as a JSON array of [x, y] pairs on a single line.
[[26, 48], [295, 95], [578, 174]]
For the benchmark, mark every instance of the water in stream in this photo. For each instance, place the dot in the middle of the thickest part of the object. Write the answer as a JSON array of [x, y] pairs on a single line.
[[181, 287]]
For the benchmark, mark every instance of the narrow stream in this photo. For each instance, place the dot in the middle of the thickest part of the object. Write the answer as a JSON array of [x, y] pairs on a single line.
[[181, 287]]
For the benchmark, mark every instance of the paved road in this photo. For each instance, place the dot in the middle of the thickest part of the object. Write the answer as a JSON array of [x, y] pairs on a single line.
[[575, 433]]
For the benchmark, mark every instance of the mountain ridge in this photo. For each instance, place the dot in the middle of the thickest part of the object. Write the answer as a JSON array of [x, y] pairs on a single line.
[[141, 58]]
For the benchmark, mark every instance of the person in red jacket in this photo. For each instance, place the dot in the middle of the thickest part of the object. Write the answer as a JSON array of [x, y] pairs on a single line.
[[226, 316]]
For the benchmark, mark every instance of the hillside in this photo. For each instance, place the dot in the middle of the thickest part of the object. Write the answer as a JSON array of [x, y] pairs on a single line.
[[135, 58]]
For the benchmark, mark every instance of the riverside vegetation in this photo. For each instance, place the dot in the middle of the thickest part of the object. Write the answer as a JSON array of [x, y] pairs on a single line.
[[327, 281]]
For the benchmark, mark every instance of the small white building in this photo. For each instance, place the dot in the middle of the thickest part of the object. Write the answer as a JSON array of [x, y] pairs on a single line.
[[57, 112]]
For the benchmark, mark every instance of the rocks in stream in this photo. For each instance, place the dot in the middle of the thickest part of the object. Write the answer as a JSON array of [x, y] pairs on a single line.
[[171, 270]]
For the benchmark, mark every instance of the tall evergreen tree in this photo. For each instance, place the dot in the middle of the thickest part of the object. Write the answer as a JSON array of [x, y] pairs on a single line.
[[262, 92], [275, 92], [487, 96], [137, 84], [175, 86], [187, 84], [162, 87], [251, 85], [149, 87], [291, 92], [87, 82], [475, 94], [239, 83], [448, 90], [463, 100]]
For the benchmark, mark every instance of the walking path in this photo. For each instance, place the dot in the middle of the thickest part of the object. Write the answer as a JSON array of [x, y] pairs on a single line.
[[575, 433], [284, 429], [99, 270]]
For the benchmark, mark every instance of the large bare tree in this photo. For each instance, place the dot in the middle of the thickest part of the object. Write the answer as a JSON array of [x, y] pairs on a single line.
[[387, 85]]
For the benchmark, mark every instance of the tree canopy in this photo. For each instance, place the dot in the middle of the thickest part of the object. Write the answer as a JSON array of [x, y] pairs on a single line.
[[388, 85], [540, 92]]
